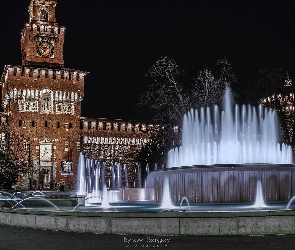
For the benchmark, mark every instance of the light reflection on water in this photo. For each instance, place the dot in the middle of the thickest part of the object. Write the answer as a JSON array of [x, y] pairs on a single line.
[[156, 207], [41, 203]]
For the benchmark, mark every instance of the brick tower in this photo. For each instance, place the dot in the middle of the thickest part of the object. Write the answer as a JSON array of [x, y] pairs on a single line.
[[43, 101]]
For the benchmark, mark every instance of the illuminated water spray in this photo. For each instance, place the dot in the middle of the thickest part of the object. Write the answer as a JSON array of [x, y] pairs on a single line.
[[236, 135]]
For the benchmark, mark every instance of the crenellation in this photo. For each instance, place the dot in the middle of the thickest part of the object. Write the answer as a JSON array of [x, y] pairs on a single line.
[[117, 140], [57, 75], [62, 30], [43, 73], [34, 26], [103, 124], [35, 73], [42, 100], [74, 75], [26, 72], [68, 76]]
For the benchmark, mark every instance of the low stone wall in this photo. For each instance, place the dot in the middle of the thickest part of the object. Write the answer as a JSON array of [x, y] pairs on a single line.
[[163, 223]]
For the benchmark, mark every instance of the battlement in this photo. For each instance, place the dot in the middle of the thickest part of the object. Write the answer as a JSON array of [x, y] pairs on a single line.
[[91, 125], [45, 29], [57, 74]]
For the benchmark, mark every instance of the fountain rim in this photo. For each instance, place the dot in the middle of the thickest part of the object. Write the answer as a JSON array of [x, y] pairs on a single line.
[[227, 167], [172, 223]]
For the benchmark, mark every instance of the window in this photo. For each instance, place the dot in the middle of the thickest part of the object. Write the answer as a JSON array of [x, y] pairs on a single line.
[[70, 125], [27, 106], [43, 15], [58, 124], [46, 102], [33, 123], [20, 123], [46, 124]]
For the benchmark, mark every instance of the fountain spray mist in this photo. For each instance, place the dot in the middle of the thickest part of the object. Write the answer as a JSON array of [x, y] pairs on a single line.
[[166, 196], [81, 184], [236, 135]]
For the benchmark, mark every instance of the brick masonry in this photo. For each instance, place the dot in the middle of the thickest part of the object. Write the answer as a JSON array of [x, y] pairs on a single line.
[[42, 107]]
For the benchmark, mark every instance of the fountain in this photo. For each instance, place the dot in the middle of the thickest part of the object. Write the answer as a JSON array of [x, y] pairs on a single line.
[[259, 201], [186, 200], [46, 201], [225, 155], [166, 199], [230, 161]]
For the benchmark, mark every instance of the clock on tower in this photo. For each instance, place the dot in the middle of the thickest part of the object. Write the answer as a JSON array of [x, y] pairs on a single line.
[[42, 39], [45, 49]]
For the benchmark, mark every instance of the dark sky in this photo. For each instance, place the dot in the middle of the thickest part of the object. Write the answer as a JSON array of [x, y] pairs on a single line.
[[117, 41]]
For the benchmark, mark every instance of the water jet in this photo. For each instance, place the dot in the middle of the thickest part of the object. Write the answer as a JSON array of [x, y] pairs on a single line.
[[225, 154]]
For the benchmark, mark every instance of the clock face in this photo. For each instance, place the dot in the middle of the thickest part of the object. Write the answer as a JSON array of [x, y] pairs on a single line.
[[45, 49]]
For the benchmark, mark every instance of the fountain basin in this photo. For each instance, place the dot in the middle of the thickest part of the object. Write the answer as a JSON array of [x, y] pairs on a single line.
[[226, 183]]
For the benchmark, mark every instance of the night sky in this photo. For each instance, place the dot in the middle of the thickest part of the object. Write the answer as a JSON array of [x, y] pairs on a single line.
[[117, 42]]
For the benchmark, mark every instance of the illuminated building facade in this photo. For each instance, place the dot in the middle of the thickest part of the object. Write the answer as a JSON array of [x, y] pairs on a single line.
[[283, 102], [42, 107]]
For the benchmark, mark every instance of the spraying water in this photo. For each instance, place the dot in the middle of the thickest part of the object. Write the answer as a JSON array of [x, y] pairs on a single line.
[[166, 197], [104, 199], [259, 201], [237, 135], [81, 184]]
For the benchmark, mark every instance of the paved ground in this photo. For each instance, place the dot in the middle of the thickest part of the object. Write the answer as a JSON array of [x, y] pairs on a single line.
[[16, 238]]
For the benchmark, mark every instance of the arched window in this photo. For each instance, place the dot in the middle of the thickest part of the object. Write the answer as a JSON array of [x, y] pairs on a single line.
[[43, 15]]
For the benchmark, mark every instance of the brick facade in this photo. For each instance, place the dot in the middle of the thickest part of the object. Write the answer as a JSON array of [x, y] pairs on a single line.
[[42, 104]]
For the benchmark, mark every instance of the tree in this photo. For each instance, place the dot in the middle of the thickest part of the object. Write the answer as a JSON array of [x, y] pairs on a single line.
[[168, 100], [11, 164], [264, 83], [155, 151], [209, 85], [9, 171]]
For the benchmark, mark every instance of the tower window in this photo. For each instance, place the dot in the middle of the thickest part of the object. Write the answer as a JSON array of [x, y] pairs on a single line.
[[20, 123], [58, 124], [70, 125], [46, 124], [43, 15], [33, 123]]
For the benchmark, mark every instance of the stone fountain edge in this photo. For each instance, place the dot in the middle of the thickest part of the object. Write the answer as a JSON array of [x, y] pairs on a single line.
[[157, 223]]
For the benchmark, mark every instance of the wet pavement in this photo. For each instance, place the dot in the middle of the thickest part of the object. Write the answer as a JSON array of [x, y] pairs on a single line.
[[18, 238]]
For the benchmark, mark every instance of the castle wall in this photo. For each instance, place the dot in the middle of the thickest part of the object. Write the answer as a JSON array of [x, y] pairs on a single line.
[[42, 107]]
